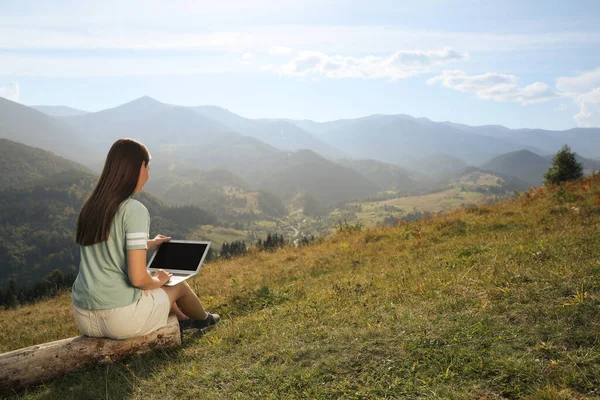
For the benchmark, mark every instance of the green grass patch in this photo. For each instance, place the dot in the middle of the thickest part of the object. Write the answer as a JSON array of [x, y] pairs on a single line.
[[217, 235], [494, 305]]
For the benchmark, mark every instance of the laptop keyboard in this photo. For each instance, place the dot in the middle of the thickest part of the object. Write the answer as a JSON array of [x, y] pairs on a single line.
[[177, 274]]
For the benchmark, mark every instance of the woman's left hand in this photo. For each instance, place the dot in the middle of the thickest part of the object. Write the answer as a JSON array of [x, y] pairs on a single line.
[[157, 241]]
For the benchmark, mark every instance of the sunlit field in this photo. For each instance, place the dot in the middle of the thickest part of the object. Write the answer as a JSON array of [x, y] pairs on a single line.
[[485, 302]]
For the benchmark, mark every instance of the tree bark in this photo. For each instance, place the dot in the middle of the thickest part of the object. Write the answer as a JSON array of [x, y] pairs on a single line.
[[34, 364]]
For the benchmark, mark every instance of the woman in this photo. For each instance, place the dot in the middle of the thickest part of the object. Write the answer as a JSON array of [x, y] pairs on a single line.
[[114, 295]]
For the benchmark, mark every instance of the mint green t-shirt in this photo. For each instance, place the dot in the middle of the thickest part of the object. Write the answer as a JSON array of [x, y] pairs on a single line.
[[103, 281]]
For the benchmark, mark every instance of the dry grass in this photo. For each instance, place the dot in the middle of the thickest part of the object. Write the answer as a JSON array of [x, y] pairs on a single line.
[[374, 213], [218, 235], [487, 302]]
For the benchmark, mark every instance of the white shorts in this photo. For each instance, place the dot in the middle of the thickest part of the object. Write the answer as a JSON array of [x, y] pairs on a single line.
[[144, 316]]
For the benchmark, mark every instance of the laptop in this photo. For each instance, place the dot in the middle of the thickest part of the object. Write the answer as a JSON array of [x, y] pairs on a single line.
[[182, 258]]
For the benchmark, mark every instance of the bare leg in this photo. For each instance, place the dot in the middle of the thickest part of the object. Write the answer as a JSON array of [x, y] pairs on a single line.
[[180, 315], [186, 300]]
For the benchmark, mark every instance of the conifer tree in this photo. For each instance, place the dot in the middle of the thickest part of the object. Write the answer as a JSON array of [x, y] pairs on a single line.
[[564, 168]]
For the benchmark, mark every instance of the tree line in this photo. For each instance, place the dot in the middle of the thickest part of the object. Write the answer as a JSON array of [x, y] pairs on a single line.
[[12, 295]]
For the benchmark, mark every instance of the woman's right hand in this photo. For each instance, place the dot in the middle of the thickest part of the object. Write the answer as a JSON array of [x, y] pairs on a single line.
[[162, 276]]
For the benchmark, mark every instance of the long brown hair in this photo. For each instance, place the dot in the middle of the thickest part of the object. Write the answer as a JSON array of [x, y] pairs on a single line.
[[117, 182]]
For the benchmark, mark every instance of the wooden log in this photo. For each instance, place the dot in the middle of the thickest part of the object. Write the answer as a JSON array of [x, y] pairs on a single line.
[[34, 364]]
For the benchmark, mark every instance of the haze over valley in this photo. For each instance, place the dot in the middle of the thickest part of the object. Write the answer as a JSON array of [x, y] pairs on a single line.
[[247, 178]]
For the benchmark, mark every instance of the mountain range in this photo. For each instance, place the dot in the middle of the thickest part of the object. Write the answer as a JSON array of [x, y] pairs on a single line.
[[59, 111], [392, 138], [281, 134], [25, 125], [331, 161]]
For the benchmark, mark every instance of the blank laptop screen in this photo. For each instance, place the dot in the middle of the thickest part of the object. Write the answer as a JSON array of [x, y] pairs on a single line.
[[182, 256]]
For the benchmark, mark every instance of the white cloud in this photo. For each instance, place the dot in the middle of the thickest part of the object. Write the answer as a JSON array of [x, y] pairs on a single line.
[[493, 86], [11, 91], [584, 89], [266, 67], [279, 50], [589, 108], [247, 57], [582, 83], [401, 64]]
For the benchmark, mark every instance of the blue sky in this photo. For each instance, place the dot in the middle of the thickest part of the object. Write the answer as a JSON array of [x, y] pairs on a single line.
[[532, 64]]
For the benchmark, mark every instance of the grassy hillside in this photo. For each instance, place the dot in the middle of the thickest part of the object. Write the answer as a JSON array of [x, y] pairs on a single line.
[[374, 212], [469, 188], [487, 302], [217, 235]]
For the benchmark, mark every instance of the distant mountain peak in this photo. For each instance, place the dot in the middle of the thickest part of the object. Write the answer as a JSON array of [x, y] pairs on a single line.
[[144, 100], [525, 151], [522, 164], [517, 154], [144, 104]]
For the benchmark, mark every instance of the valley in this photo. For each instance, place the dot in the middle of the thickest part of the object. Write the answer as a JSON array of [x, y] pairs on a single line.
[[221, 177]]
